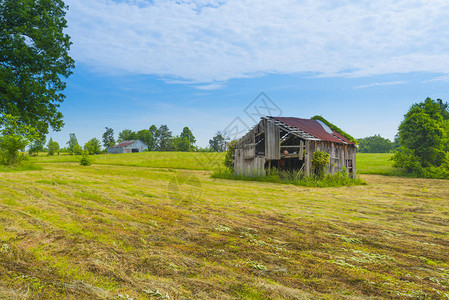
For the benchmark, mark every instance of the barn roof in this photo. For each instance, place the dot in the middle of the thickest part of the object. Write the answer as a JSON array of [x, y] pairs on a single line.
[[125, 144], [313, 128]]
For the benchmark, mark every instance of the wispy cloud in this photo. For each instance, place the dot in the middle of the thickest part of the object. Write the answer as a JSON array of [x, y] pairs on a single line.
[[444, 78], [374, 84], [209, 87], [211, 40]]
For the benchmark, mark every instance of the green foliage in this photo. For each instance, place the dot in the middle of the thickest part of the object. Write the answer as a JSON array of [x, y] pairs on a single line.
[[164, 139], [185, 141], [218, 142], [108, 138], [187, 134], [86, 160], [36, 146], [53, 147], [153, 142], [73, 146], [126, 135], [423, 131], [320, 162], [14, 136], [375, 144], [423, 136], [93, 146], [229, 157], [34, 60], [334, 128], [145, 136]]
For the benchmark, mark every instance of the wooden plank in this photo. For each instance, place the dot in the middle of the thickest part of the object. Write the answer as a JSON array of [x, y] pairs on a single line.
[[272, 146], [307, 159]]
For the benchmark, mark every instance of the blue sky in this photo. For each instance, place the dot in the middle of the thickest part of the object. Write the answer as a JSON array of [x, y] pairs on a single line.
[[359, 64]]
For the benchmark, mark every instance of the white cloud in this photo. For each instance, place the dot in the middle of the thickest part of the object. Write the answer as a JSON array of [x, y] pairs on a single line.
[[211, 41], [209, 87], [444, 78], [374, 84]]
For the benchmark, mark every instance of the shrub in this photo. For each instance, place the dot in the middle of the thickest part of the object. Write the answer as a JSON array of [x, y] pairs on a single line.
[[228, 161], [320, 162], [14, 137], [86, 160]]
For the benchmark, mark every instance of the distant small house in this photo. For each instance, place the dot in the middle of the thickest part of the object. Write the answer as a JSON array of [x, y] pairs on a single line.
[[288, 144], [128, 147]]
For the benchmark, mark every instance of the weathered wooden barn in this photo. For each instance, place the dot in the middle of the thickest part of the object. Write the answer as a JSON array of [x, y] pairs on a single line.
[[288, 144], [128, 147]]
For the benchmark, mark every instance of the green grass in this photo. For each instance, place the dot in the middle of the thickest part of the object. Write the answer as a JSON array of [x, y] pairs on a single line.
[[24, 166], [105, 230], [367, 163], [173, 160], [336, 180], [378, 163]]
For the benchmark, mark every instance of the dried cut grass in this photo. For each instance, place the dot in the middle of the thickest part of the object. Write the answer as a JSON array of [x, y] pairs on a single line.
[[105, 231]]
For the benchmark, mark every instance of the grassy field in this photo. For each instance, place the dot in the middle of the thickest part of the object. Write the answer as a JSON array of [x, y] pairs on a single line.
[[367, 163], [129, 228], [377, 163], [173, 160]]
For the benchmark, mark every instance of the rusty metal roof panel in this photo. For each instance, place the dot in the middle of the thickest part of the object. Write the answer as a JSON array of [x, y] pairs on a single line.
[[125, 144], [313, 128]]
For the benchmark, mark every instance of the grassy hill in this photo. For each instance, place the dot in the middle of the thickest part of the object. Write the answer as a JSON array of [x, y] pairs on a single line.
[[155, 225]]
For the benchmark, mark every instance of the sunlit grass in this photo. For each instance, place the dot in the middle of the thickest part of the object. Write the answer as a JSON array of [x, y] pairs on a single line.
[[105, 230], [174, 160], [23, 166]]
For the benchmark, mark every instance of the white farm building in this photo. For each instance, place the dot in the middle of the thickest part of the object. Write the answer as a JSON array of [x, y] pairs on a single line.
[[128, 147]]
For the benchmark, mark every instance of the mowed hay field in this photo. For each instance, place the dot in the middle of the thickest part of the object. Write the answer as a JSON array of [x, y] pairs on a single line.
[[164, 230]]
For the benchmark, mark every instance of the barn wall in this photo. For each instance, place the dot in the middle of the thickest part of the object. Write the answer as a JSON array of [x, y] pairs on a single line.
[[141, 146], [339, 155], [272, 141], [248, 167], [115, 150]]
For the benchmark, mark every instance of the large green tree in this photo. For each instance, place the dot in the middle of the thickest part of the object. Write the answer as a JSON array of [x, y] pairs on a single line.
[[93, 146], [34, 60], [423, 136], [73, 146], [218, 142], [145, 136], [164, 139], [108, 138], [53, 147], [126, 135], [154, 134], [185, 141]]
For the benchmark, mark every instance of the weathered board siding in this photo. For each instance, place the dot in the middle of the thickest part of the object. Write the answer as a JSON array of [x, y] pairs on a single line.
[[339, 154], [272, 141], [266, 137], [248, 167]]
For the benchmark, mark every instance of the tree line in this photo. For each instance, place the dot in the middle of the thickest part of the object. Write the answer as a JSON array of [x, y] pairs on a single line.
[[156, 138]]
